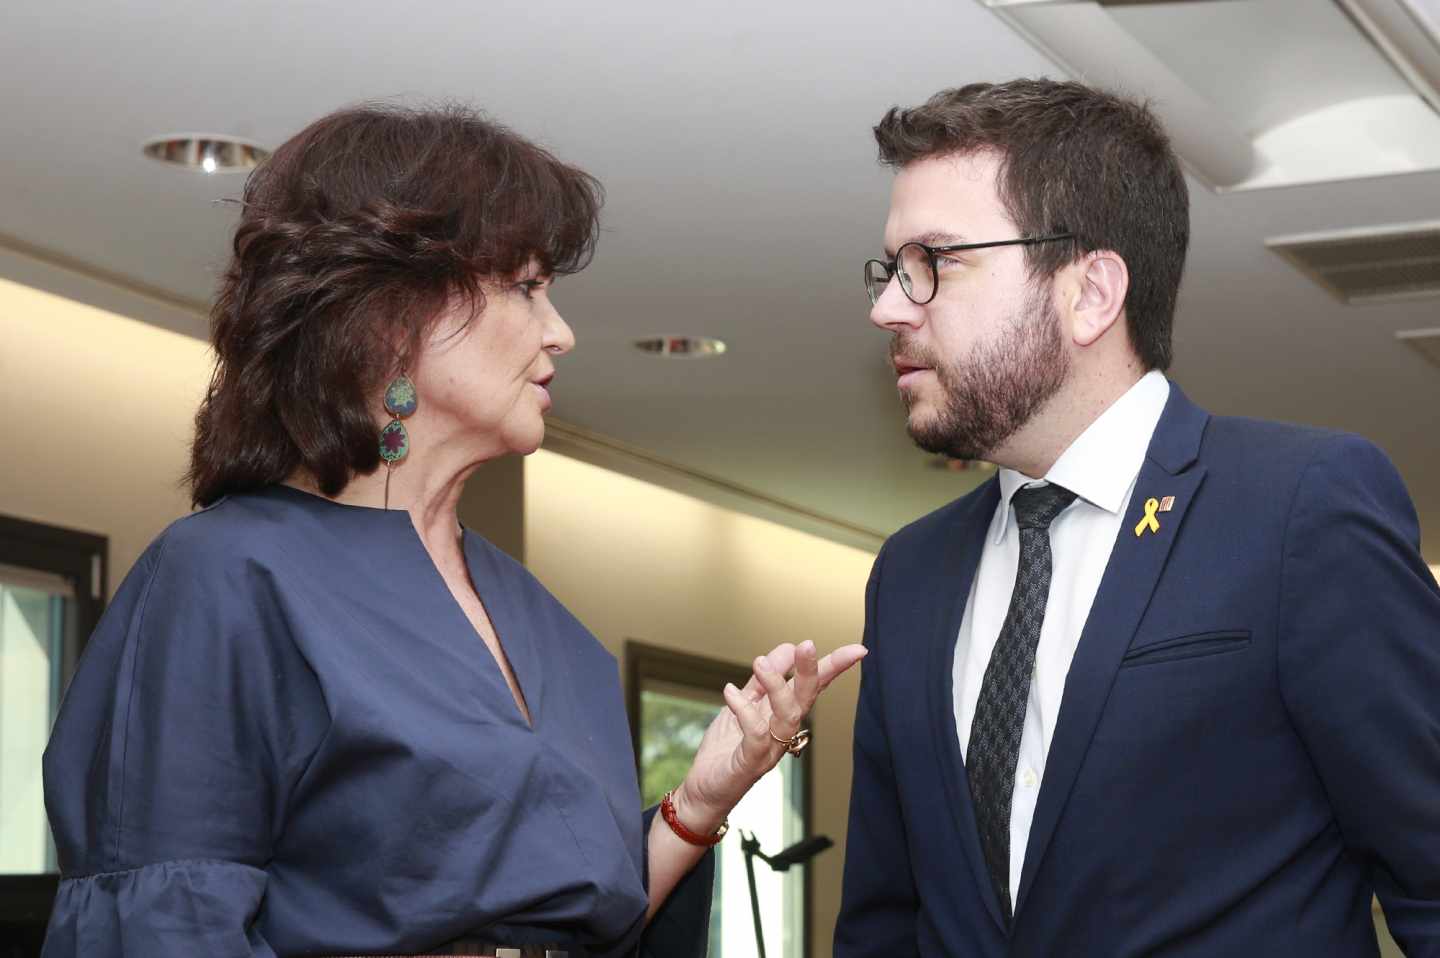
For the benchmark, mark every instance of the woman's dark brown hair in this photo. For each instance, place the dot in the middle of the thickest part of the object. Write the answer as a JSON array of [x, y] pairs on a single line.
[[353, 238], [1073, 159]]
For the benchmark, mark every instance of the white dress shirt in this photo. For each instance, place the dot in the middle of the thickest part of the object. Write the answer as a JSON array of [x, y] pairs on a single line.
[[1100, 467]]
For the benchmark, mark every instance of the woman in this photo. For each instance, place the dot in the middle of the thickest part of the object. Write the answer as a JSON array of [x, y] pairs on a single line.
[[319, 718]]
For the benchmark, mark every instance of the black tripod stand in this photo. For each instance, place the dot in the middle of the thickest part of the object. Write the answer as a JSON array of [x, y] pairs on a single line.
[[797, 854]]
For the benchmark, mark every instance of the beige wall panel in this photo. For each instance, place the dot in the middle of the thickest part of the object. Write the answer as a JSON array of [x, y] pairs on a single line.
[[99, 417], [635, 561]]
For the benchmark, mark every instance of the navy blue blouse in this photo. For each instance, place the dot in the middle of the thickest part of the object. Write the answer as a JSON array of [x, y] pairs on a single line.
[[285, 738]]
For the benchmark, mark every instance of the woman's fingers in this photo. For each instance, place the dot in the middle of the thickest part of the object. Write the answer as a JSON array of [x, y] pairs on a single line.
[[807, 676], [781, 659], [838, 662], [772, 708], [786, 710], [755, 745], [791, 701]]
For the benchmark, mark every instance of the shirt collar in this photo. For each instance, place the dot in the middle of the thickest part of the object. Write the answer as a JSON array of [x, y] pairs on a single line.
[[1100, 466]]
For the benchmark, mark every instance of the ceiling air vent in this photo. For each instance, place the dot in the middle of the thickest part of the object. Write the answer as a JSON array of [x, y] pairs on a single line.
[[1426, 342], [1374, 265]]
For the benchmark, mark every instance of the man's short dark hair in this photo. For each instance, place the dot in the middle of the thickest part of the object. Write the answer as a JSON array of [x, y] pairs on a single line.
[[1074, 159]]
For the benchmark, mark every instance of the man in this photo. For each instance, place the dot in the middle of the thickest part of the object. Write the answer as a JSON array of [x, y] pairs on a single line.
[[1170, 683]]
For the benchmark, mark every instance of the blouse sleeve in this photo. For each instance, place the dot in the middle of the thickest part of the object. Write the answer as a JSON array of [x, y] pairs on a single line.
[[189, 720], [681, 928]]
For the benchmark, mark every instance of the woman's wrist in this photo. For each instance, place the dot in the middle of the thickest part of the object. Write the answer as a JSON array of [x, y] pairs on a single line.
[[697, 814]]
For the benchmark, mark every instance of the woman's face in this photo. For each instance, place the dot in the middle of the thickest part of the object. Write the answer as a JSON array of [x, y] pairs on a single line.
[[482, 379]]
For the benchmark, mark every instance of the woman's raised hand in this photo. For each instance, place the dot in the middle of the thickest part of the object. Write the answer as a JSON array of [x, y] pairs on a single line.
[[763, 721]]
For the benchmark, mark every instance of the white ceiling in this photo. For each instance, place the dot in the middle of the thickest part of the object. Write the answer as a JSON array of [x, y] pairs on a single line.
[[733, 139]]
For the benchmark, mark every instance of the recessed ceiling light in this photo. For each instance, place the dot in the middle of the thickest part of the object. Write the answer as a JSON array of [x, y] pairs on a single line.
[[681, 347], [206, 152]]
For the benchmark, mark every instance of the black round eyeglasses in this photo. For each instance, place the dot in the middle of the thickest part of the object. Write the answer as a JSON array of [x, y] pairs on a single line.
[[914, 266]]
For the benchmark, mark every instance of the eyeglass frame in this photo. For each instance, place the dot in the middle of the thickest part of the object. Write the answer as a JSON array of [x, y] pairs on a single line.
[[892, 268]]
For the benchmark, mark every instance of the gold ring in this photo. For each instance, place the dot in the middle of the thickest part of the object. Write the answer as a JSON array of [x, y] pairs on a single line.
[[795, 744]]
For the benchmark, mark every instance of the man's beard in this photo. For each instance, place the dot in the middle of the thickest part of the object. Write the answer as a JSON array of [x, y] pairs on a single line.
[[992, 394]]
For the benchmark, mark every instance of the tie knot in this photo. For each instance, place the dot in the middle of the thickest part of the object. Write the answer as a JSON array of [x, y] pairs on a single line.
[[1037, 506]]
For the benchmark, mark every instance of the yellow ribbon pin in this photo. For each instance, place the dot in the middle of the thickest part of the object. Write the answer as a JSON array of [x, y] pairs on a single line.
[[1152, 506]]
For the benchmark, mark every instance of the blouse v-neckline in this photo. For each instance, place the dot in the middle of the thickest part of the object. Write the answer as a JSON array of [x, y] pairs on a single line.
[[470, 544], [523, 662]]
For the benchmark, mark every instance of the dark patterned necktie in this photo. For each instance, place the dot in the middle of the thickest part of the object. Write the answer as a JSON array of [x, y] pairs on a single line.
[[1000, 711]]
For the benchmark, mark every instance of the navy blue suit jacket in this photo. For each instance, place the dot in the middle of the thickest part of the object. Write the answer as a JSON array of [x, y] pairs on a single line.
[[1249, 739]]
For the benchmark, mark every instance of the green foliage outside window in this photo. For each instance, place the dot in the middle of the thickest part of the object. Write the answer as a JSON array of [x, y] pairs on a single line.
[[670, 731]]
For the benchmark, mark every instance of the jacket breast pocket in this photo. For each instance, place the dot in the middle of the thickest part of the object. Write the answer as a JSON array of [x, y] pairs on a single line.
[[1195, 646]]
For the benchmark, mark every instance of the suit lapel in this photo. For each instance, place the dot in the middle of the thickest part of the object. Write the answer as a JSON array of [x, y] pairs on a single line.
[[959, 563], [1136, 563]]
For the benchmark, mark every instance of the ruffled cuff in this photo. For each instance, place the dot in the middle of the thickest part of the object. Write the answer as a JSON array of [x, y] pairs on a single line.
[[173, 909]]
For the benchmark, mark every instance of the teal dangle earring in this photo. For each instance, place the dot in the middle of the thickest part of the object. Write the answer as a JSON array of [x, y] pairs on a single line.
[[401, 403]]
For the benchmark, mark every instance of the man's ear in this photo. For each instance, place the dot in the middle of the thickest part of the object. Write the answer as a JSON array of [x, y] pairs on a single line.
[[1097, 297]]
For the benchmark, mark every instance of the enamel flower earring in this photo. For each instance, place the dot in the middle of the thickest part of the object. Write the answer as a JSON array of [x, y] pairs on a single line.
[[401, 403]]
